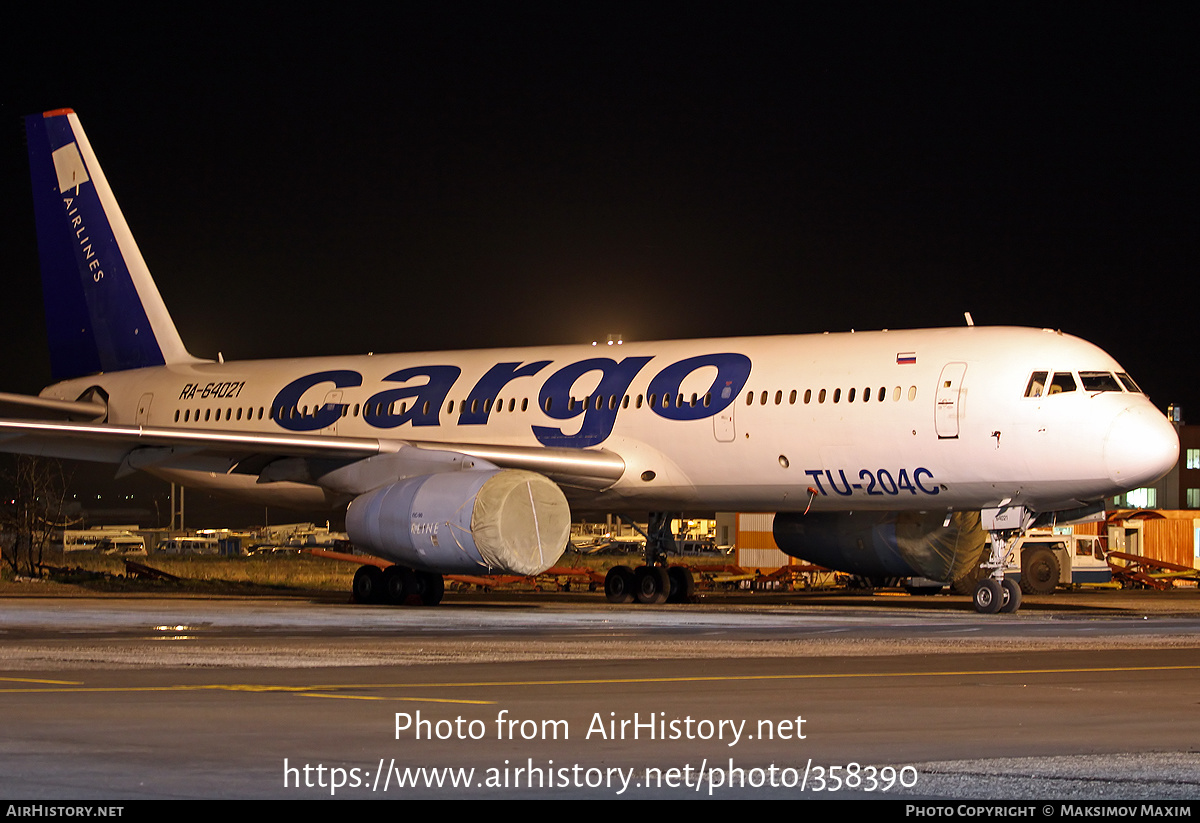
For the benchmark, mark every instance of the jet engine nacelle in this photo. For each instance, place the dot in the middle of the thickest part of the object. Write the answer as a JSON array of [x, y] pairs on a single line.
[[473, 522], [884, 544]]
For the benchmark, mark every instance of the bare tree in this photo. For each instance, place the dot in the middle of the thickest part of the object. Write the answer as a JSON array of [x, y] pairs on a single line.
[[35, 491]]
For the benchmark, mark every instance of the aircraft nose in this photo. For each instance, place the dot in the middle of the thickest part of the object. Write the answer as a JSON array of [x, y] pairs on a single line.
[[1141, 447]]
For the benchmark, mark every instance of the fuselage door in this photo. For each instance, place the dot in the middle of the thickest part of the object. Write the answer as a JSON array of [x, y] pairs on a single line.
[[723, 420], [947, 400], [334, 398]]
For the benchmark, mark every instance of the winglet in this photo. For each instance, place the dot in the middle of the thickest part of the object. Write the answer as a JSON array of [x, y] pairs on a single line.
[[103, 311]]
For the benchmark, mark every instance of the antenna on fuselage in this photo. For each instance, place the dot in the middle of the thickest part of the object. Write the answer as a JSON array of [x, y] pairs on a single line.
[[970, 320]]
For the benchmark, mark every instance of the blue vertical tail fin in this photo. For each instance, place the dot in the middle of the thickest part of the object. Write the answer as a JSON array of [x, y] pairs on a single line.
[[103, 311]]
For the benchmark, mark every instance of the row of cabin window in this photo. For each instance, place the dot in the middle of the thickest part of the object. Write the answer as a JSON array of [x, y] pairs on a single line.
[[222, 414], [596, 401], [823, 394]]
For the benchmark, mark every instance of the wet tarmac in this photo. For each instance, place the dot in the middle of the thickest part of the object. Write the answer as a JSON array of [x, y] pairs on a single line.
[[1079, 696]]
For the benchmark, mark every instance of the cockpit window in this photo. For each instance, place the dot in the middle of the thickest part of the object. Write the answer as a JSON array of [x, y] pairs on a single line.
[[1062, 382], [1128, 383], [1037, 384], [1098, 381]]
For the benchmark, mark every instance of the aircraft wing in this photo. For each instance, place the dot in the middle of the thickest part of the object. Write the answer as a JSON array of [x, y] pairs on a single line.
[[346, 464]]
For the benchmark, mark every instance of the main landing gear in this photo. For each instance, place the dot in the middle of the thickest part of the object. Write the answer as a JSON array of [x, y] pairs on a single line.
[[997, 593], [397, 586], [655, 582]]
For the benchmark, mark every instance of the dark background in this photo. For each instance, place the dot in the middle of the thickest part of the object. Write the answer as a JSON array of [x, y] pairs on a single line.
[[508, 174]]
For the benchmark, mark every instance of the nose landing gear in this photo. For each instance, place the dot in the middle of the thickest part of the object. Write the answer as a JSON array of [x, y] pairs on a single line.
[[996, 593]]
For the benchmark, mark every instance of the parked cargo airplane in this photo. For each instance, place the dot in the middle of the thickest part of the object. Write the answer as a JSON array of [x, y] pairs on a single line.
[[879, 451]]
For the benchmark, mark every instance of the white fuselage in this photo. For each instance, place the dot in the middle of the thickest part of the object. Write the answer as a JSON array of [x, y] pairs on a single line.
[[918, 419]]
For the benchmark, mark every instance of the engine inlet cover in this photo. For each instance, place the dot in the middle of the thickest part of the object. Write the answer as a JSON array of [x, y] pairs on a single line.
[[478, 522], [884, 544]]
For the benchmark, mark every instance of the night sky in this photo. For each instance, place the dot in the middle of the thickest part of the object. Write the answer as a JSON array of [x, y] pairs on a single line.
[[458, 177]]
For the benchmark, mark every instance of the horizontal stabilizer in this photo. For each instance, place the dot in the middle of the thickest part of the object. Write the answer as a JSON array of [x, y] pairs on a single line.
[[28, 406]]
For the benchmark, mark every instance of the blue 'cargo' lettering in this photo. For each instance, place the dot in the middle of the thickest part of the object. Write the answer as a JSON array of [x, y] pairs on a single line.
[[733, 370], [475, 410], [422, 404], [599, 414], [427, 398], [283, 408]]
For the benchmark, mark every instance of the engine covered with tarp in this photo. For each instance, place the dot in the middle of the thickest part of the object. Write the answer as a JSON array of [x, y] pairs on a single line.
[[465, 522], [885, 544]]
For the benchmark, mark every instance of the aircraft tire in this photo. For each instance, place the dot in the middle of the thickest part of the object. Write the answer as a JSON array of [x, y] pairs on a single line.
[[618, 585], [1039, 572], [430, 588], [368, 585], [1012, 597], [399, 584], [989, 596], [651, 585], [683, 584]]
